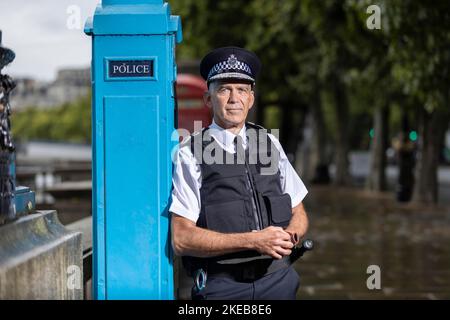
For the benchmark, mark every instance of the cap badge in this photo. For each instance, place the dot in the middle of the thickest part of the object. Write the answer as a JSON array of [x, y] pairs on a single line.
[[232, 61]]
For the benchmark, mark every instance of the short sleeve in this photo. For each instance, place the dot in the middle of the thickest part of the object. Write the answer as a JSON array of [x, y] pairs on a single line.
[[290, 180], [186, 181]]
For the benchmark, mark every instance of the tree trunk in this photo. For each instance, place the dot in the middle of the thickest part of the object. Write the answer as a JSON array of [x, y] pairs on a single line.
[[342, 176], [406, 161], [376, 180], [319, 158], [286, 128], [298, 136], [430, 134], [259, 110], [291, 131]]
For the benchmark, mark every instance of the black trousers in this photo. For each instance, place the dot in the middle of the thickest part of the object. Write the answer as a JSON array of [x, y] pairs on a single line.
[[279, 285]]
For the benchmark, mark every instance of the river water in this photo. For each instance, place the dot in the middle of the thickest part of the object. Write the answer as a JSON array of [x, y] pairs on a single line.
[[353, 229]]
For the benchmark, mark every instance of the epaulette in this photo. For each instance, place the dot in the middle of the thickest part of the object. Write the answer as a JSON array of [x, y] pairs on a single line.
[[255, 126]]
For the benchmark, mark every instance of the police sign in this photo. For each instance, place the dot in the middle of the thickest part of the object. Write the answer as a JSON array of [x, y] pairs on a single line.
[[130, 68]]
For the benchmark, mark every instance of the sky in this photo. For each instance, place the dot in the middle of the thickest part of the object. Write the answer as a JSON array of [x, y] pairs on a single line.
[[38, 32]]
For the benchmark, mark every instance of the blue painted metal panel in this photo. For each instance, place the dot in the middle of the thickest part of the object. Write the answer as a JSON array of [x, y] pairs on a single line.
[[143, 19], [132, 195], [132, 121], [124, 2], [25, 201]]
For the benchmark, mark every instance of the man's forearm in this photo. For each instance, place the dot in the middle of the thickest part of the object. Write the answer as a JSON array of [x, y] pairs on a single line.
[[199, 242], [299, 221]]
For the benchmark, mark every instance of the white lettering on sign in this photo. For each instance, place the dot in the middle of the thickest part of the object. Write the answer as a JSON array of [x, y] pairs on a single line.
[[132, 68], [123, 68]]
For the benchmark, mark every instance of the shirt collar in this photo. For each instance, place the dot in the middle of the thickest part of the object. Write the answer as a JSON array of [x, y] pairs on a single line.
[[226, 137]]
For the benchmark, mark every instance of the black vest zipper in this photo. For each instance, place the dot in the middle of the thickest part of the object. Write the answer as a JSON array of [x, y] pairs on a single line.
[[258, 221]]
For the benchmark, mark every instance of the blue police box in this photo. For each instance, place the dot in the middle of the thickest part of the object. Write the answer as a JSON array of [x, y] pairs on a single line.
[[133, 118]]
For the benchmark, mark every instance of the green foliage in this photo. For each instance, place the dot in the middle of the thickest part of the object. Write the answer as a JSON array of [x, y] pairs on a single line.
[[68, 122], [208, 24], [419, 36], [272, 116], [307, 46]]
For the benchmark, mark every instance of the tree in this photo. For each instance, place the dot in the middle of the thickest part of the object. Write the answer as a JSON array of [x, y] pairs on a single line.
[[272, 30], [319, 56], [372, 89], [421, 67], [331, 24], [69, 122]]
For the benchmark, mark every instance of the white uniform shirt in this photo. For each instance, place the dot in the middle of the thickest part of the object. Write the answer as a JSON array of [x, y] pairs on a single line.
[[187, 178]]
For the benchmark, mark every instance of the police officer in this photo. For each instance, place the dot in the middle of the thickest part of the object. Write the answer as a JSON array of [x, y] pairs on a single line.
[[235, 215]]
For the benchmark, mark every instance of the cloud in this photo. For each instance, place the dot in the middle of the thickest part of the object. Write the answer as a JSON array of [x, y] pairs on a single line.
[[37, 32]]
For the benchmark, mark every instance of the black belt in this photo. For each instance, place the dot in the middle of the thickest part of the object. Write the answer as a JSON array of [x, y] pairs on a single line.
[[247, 271]]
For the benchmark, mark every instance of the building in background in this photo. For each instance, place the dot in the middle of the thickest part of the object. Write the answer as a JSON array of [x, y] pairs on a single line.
[[68, 86]]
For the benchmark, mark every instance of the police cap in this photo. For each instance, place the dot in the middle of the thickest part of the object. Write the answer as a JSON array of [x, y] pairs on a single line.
[[232, 63]]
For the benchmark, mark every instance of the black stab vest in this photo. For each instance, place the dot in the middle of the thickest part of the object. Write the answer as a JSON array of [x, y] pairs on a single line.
[[228, 188]]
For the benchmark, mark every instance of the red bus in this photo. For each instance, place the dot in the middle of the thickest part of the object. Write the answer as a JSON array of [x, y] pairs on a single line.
[[190, 90]]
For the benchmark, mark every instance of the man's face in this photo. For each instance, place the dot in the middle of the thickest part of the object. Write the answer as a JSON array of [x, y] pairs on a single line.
[[230, 102]]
